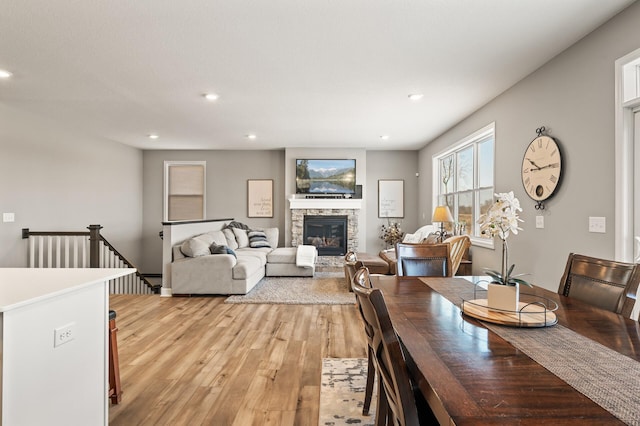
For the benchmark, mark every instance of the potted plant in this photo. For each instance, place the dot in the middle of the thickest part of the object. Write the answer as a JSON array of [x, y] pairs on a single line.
[[391, 234], [501, 220]]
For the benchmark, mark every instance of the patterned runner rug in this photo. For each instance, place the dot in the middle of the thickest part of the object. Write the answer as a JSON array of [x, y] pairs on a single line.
[[326, 288], [342, 393]]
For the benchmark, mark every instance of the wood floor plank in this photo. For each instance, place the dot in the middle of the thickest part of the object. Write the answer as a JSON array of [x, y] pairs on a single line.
[[198, 361]]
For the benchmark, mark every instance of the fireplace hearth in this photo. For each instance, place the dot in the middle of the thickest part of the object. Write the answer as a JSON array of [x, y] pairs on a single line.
[[327, 233]]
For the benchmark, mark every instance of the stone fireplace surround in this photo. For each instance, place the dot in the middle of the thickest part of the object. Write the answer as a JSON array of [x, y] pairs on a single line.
[[311, 207]]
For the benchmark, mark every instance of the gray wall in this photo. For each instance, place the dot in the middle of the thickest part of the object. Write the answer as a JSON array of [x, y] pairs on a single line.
[[227, 174], [226, 181], [573, 97], [391, 165], [54, 179]]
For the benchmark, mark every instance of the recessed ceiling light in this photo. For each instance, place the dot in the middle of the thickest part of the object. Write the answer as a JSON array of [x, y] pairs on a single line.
[[251, 136], [416, 96], [211, 96], [153, 136], [384, 137], [5, 74]]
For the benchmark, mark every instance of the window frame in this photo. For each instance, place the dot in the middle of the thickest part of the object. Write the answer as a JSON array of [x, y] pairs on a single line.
[[167, 165], [474, 140]]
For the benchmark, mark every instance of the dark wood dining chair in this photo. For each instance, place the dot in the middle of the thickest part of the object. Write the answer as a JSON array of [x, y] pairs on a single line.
[[350, 260], [361, 278], [396, 400], [606, 284], [424, 260]]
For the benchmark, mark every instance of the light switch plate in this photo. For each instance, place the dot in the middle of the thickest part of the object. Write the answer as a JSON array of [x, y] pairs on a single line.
[[539, 222], [597, 224], [8, 217]]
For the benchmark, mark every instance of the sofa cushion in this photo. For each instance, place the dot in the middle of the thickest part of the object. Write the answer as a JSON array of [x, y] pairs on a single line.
[[258, 239], [231, 238], [241, 237], [283, 255], [246, 267], [194, 247], [257, 253]]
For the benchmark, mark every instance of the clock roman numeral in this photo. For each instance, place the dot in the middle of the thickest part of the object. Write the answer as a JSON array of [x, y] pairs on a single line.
[[553, 179]]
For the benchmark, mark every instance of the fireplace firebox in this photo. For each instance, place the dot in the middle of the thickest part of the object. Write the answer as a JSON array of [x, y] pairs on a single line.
[[327, 233]]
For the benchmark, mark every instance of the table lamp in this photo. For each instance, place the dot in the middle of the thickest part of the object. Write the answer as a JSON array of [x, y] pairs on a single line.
[[442, 214]]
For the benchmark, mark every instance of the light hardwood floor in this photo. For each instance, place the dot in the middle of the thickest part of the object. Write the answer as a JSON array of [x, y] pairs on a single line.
[[198, 361]]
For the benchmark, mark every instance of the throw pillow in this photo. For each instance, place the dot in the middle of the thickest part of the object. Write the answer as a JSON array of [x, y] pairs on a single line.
[[241, 237], [272, 236], [411, 238], [215, 249], [258, 239], [231, 238], [431, 239], [194, 247]]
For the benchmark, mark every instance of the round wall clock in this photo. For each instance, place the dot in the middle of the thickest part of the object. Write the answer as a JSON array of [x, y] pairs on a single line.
[[541, 168]]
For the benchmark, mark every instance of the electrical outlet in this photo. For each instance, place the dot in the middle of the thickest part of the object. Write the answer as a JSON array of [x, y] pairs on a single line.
[[64, 334], [540, 222], [597, 224]]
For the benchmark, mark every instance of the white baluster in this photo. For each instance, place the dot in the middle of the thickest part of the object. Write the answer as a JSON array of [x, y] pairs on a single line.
[[40, 251], [66, 251], [32, 252], [58, 251]]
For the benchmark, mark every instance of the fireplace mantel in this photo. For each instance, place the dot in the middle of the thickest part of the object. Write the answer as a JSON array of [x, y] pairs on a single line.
[[324, 203]]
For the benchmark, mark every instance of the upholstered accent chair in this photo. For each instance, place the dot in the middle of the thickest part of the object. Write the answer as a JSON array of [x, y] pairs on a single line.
[[606, 284], [424, 260], [459, 245]]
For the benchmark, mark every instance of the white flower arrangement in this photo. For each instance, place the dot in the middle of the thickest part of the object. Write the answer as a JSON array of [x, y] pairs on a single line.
[[502, 217], [501, 220]]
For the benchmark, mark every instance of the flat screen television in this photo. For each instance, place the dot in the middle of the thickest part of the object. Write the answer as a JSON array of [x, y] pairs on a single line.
[[315, 176]]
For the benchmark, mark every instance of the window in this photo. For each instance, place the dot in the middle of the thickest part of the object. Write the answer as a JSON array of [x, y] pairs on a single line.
[[463, 180], [184, 189]]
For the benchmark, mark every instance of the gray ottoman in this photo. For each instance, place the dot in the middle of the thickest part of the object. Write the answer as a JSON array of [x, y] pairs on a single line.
[[281, 262]]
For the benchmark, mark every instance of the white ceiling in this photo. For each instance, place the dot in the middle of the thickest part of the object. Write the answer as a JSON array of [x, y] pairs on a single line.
[[297, 73]]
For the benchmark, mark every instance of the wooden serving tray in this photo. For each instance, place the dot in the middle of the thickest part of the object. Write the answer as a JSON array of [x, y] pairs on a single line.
[[529, 315]]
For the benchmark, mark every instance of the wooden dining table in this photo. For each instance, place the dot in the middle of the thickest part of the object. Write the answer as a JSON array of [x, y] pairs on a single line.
[[470, 375]]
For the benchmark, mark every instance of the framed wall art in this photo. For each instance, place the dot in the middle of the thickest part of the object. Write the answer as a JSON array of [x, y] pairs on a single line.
[[391, 198], [260, 198]]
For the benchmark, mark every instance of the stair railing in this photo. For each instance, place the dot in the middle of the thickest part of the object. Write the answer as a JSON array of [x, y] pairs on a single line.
[[84, 249]]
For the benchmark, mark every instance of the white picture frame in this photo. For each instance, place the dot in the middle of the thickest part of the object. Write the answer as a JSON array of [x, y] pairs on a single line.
[[260, 198], [391, 198]]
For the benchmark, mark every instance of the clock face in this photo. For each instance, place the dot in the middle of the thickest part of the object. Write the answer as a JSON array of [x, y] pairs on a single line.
[[541, 168]]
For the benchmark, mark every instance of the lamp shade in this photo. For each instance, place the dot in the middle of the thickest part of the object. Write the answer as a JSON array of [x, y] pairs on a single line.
[[442, 214]]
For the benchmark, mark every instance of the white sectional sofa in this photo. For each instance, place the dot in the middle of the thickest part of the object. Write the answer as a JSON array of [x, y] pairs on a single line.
[[227, 261]]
